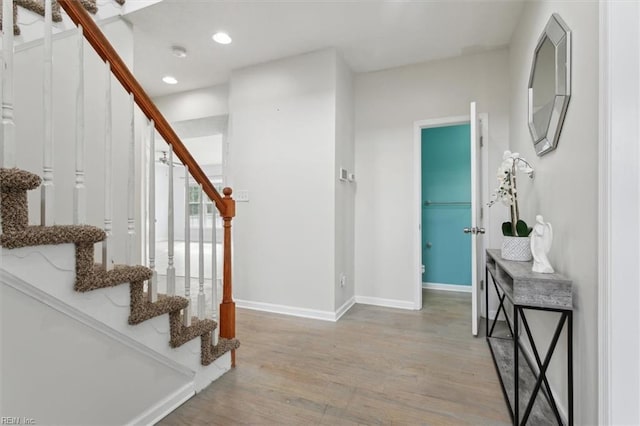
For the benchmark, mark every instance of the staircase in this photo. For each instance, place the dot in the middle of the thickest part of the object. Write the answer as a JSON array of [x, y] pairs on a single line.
[[145, 304], [15, 183]]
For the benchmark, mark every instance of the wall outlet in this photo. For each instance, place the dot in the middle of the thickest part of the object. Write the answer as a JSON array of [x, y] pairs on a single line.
[[343, 279]]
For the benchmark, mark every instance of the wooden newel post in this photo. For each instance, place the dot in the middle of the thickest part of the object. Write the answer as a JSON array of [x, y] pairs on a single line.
[[228, 306]]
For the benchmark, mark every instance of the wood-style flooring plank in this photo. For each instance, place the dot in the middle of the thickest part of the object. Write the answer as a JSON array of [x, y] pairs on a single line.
[[374, 366]]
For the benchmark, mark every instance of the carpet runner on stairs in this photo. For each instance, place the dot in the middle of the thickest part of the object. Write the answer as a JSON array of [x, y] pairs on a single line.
[[14, 211]]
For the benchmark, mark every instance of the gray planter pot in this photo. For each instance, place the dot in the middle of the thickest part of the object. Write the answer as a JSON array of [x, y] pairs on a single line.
[[516, 248]]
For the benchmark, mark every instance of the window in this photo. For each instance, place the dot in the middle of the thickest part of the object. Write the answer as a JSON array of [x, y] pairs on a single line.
[[209, 208]]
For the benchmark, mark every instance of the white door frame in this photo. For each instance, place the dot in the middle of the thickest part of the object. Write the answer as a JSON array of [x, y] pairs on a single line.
[[619, 209], [417, 189]]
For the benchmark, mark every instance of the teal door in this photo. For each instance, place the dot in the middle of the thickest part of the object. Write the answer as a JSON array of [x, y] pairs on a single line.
[[446, 205]]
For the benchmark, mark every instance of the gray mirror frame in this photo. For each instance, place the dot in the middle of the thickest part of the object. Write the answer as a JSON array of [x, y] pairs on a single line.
[[559, 34]]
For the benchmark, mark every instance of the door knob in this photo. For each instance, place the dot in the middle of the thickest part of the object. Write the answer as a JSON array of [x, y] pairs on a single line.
[[429, 245], [473, 230]]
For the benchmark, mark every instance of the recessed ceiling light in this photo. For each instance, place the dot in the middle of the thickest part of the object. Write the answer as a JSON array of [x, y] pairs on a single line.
[[169, 79], [222, 38], [179, 51]]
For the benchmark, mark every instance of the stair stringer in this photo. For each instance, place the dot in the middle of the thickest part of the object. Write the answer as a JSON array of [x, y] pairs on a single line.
[[59, 381], [51, 270]]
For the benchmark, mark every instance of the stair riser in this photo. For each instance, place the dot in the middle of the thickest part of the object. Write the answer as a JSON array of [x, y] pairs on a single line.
[[14, 211]]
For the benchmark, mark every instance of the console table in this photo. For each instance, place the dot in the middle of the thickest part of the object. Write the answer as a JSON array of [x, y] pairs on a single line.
[[521, 382]]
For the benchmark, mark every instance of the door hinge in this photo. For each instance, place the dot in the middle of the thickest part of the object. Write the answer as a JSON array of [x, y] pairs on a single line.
[[481, 212], [481, 141], [481, 284]]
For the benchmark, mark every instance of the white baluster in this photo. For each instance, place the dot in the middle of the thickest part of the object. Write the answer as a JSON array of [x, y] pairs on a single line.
[[7, 141], [107, 245], [214, 274], [47, 205], [79, 191], [201, 299], [152, 287], [131, 190], [186, 320], [171, 271]]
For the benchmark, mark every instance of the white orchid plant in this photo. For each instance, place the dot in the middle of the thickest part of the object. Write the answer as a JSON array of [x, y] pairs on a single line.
[[508, 193]]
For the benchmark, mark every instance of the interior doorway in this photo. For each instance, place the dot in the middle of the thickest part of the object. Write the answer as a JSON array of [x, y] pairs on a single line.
[[428, 212], [446, 207]]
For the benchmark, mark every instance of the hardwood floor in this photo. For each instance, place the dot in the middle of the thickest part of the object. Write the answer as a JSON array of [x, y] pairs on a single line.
[[374, 366]]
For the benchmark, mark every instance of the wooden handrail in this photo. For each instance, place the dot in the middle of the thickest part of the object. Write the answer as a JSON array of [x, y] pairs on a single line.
[[226, 206], [105, 50]]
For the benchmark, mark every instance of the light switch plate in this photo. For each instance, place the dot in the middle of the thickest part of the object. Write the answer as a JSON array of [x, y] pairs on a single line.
[[243, 195]]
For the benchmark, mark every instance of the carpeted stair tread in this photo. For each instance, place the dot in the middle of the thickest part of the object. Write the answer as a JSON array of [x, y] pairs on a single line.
[[50, 235], [181, 334], [13, 180], [14, 211], [209, 352], [120, 274], [142, 309]]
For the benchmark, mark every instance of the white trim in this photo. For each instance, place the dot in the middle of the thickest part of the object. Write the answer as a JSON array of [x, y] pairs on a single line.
[[345, 307], [417, 189], [447, 287], [287, 310], [68, 310], [619, 204], [387, 303], [604, 224], [163, 408]]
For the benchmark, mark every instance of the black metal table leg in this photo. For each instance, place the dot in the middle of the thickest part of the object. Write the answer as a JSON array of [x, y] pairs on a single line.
[[486, 301], [516, 400], [536, 355], [543, 368], [570, 364], [501, 307]]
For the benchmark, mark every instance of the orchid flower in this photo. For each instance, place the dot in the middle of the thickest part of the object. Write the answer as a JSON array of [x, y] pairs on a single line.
[[506, 191]]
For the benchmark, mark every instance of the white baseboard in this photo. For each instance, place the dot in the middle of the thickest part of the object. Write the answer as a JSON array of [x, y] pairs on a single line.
[[388, 303], [163, 408], [492, 315], [447, 287], [288, 310], [345, 307]]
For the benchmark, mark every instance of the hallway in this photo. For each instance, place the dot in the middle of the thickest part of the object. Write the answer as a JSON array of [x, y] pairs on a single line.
[[375, 366]]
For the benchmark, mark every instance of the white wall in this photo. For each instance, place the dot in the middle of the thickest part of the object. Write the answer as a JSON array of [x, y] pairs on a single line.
[[387, 105], [57, 370], [30, 130], [565, 187], [192, 104], [345, 191], [619, 199], [282, 150]]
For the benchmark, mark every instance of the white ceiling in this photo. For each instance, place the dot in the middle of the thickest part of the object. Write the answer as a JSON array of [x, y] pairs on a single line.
[[371, 35]]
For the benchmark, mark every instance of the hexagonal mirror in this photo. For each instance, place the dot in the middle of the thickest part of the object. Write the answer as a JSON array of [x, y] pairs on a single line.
[[550, 85]]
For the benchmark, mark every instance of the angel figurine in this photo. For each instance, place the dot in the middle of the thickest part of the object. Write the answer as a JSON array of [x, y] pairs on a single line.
[[541, 239]]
